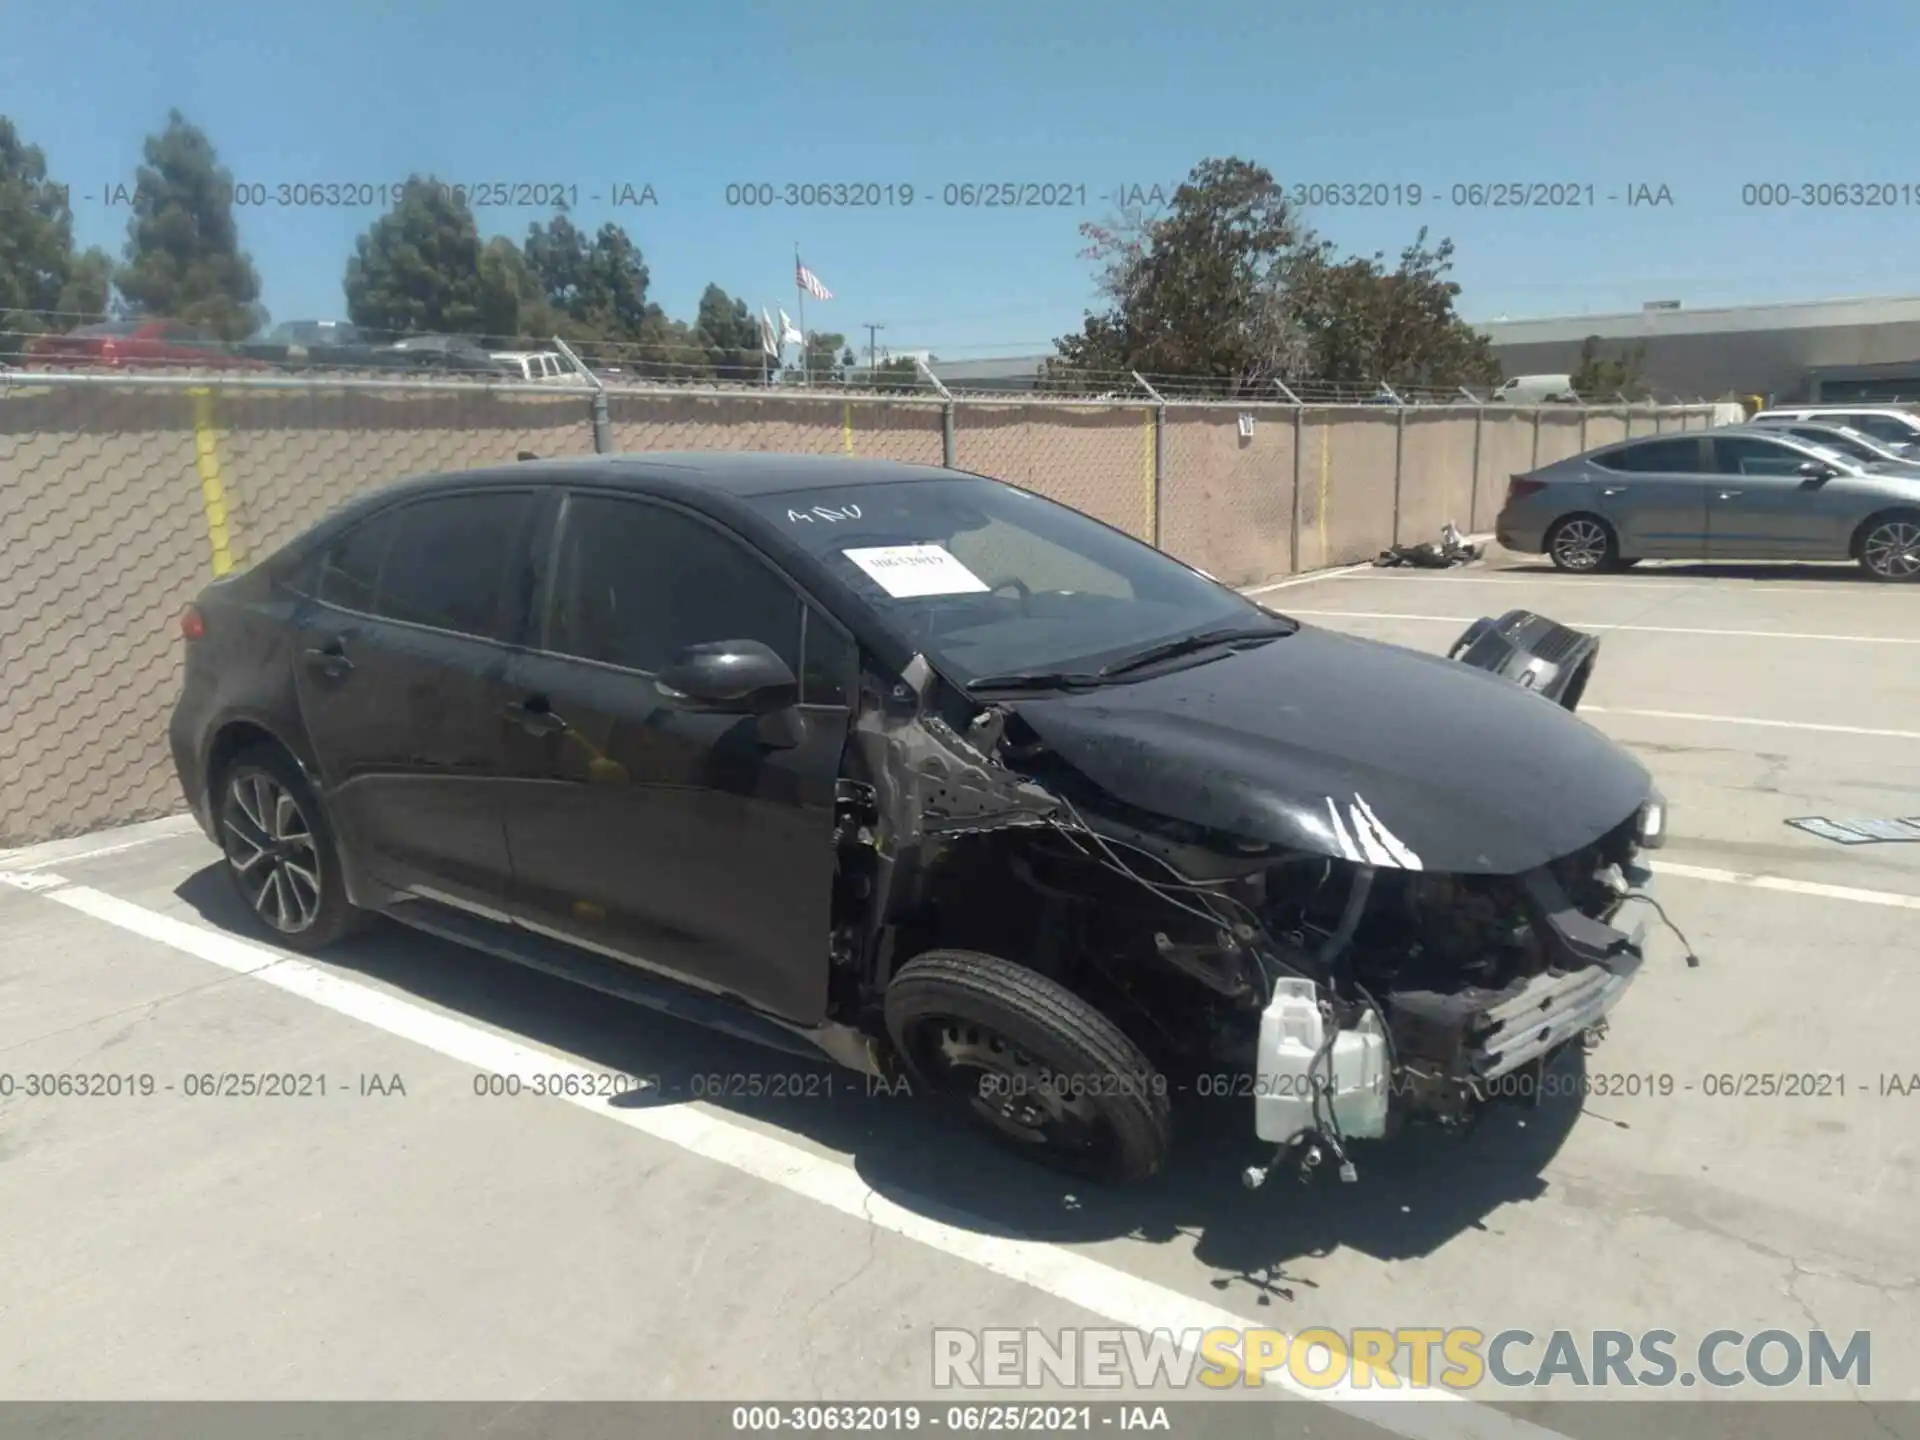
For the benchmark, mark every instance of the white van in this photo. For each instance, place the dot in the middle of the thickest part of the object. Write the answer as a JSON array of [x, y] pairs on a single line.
[[1535, 390], [543, 365]]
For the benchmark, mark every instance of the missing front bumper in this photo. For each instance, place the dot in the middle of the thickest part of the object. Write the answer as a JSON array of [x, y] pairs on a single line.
[[1440, 1055]]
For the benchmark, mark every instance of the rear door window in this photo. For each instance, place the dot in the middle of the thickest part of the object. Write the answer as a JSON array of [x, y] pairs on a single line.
[[1678, 456]]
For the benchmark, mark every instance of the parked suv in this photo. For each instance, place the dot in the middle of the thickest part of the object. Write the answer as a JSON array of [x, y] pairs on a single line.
[[1891, 425], [535, 364], [935, 776]]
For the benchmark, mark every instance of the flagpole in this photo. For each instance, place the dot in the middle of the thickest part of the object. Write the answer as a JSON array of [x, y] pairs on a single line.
[[800, 295]]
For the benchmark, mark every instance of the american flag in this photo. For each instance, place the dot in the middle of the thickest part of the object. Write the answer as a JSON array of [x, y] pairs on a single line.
[[810, 282]]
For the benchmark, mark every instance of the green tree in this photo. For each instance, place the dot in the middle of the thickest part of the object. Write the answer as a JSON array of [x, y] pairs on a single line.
[[1599, 377], [422, 267], [731, 336], [1230, 288], [670, 349], [896, 374], [514, 309], [44, 285], [183, 258], [1198, 292], [822, 359], [596, 288], [1364, 324]]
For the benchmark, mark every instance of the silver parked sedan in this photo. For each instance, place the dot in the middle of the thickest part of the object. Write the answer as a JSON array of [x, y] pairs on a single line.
[[1740, 492]]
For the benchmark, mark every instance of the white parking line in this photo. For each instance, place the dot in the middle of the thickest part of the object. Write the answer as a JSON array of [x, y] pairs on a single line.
[[1586, 582], [1312, 579], [1750, 720], [98, 842], [1788, 887], [1065, 1274], [1640, 629]]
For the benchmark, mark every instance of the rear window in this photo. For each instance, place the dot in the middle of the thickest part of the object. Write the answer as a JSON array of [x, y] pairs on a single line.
[[111, 327], [448, 562]]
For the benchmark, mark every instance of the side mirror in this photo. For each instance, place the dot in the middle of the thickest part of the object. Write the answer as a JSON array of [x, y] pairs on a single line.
[[730, 677], [1816, 471]]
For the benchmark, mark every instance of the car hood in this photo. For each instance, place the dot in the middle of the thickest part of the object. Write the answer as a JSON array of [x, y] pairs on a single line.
[[1354, 749]]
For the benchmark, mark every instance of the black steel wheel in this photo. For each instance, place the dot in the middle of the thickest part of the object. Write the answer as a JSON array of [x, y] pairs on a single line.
[[1042, 1070], [1890, 548], [1583, 544], [280, 850]]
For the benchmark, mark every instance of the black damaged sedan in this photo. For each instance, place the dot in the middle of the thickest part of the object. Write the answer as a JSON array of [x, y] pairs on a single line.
[[935, 776]]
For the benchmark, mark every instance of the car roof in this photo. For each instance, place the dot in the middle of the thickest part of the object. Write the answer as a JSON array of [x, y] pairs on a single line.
[[1779, 434], [1814, 412], [1811, 422], [736, 473]]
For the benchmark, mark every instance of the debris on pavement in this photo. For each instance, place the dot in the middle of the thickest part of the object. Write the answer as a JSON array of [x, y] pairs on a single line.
[[1452, 550], [1859, 832]]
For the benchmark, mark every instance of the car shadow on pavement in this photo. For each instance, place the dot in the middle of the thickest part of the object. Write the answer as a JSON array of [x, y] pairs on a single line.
[[1412, 1196], [1839, 572]]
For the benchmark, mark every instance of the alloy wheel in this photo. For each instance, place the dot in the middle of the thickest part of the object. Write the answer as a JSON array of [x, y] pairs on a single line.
[[270, 845], [1892, 549], [1580, 545]]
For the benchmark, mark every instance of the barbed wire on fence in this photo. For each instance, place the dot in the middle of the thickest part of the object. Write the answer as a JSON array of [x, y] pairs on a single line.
[[45, 342]]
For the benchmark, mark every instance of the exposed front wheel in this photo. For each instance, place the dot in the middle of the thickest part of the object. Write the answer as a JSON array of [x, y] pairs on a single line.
[[1890, 549], [1046, 1073], [280, 851], [1583, 544]]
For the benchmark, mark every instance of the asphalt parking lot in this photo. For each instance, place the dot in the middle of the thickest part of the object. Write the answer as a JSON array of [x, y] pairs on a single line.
[[406, 1236]]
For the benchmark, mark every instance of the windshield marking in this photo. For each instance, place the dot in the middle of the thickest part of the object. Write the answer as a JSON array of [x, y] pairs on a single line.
[[827, 513]]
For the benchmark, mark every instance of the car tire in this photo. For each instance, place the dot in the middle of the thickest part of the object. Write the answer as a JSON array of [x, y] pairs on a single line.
[[280, 851], [1583, 545], [1889, 548], [1045, 1072]]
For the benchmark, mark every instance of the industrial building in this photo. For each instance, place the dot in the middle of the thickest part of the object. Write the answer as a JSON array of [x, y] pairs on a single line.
[[1811, 350]]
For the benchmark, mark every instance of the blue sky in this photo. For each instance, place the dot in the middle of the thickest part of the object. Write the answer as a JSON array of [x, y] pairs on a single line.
[[1699, 96]]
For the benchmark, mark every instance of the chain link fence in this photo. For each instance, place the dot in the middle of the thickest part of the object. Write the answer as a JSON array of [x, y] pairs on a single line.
[[121, 496]]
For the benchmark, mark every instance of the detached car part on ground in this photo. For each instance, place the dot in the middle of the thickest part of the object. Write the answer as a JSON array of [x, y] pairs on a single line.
[[1179, 843]]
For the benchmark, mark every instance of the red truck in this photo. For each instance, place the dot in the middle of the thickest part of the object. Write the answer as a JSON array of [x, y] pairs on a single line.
[[168, 343]]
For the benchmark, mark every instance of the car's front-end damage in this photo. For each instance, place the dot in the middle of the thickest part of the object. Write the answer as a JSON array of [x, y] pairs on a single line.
[[1351, 920]]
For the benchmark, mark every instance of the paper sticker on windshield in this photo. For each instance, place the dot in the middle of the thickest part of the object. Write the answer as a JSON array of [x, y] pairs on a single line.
[[907, 572]]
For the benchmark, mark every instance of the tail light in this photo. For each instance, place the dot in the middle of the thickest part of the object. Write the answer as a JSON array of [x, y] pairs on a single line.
[[193, 625], [1519, 487], [109, 352]]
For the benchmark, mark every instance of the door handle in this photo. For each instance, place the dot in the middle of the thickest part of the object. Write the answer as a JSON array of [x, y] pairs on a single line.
[[1614, 490], [534, 717], [1731, 494], [329, 659]]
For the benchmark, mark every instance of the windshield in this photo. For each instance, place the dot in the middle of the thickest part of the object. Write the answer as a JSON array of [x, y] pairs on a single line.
[[1883, 428], [1857, 446], [988, 580]]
